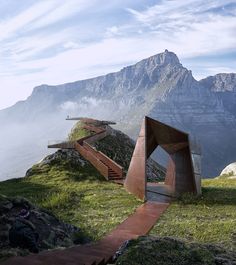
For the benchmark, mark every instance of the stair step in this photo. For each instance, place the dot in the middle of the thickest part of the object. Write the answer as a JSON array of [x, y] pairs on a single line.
[[116, 177]]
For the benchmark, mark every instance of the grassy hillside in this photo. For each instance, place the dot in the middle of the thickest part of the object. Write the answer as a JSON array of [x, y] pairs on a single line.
[[208, 219], [72, 189], [118, 146], [74, 192], [78, 132]]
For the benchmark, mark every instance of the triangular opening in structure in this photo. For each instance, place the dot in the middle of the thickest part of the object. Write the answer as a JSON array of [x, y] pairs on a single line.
[[180, 170]]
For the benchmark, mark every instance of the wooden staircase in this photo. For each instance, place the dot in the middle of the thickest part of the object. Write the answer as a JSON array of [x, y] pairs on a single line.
[[101, 252], [113, 175], [105, 165]]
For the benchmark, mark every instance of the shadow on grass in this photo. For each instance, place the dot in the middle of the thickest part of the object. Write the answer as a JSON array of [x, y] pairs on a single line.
[[221, 196], [211, 196], [20, 187]]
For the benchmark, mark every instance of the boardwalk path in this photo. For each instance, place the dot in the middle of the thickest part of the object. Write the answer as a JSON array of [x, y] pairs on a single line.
[[101, 252]]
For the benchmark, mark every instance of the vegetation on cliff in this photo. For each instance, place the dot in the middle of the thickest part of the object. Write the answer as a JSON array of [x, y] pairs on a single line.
[[70, 188], [118, 146], [78, 131], [75, 192]]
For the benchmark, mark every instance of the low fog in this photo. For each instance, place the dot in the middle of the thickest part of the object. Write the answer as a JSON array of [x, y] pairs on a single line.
[[25, 143]]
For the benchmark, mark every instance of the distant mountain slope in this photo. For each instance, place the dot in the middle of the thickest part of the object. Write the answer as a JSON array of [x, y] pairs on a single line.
[[158, 86]]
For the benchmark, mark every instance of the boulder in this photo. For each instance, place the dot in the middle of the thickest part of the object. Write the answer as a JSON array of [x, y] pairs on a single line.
[[151, 250], [229, 170], [52, 232]]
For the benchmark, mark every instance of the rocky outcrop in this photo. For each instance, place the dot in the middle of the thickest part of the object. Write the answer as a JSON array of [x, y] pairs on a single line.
[[52, 232], [68, 156], [229, 171], [167, 251]]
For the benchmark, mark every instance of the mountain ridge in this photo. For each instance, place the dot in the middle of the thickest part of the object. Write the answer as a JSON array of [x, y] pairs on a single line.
[[159, 86]]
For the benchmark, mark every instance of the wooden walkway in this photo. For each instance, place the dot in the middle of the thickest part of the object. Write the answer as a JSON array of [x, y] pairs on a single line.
[[105, 165], [101, 252]]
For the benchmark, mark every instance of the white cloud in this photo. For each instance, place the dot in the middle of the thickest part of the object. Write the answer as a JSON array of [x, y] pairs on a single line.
[[69, 106], [21, 49], [63, 10], [189, 28], [12, 25], [70, 45]]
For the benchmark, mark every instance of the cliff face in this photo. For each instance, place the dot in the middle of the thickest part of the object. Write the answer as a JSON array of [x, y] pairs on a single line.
[[158, 86]]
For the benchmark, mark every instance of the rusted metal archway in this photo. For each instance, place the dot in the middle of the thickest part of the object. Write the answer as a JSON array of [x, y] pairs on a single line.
[[183, 171]]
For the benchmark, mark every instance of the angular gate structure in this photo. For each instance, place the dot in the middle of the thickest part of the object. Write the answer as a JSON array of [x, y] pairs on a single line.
[[183, 170]]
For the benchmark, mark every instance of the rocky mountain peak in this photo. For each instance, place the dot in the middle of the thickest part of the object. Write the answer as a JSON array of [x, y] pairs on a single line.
[[221, 82], [158, 86], [159, 60]]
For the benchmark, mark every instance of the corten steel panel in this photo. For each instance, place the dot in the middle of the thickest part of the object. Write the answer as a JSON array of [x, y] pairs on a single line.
[[196, 162], [184, 178], [93, 129], [96, 137], [135, 181], [172, 148], [170, 173], [151, 143], [165, 134], [180, 172]]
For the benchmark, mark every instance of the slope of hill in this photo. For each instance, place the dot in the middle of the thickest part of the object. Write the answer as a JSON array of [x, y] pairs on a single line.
[[192, 230], [158, 86], [70, 188]]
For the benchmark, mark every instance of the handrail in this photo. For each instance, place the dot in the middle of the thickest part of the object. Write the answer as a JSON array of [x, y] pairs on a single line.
[[107, 160], [61, 144], [93, 128], [102, 168], [96, 137], [98, 159], [111, 163]]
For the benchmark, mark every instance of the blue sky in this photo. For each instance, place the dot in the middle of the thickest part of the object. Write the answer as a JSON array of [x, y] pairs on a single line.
[[58, 41]]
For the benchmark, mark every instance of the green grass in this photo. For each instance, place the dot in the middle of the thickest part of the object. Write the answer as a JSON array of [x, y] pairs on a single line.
[[118, 147], [210, 218], [78, 132], [76, 194]]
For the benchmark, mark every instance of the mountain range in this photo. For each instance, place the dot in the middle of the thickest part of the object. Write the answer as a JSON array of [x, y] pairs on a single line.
[[159, 86]]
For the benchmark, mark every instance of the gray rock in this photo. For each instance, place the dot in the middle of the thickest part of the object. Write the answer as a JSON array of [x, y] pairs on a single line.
[[52, 232]]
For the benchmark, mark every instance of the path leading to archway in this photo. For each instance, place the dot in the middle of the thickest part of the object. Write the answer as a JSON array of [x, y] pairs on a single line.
[[101, 252]]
